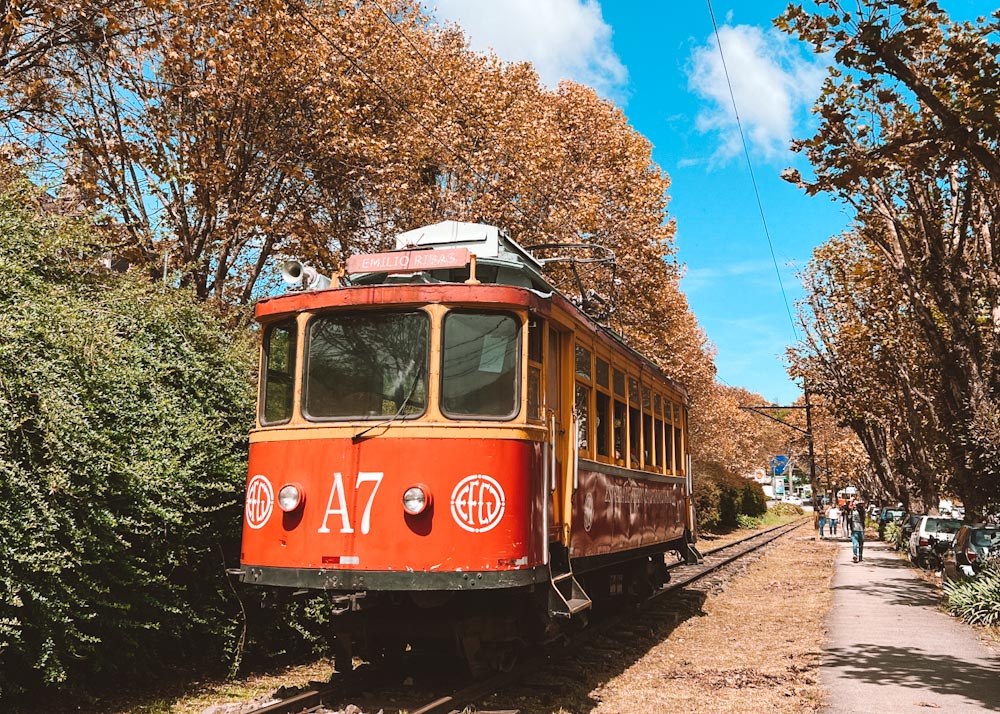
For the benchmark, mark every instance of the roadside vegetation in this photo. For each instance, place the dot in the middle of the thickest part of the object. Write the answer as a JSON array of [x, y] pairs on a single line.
[[127, 407], [722, 498], [977, 601]]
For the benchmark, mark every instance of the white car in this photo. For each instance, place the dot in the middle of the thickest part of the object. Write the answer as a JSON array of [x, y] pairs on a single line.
[[937, 527]]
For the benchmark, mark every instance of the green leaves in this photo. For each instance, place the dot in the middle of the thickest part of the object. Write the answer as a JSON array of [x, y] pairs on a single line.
[[122, 466], [977, 601]]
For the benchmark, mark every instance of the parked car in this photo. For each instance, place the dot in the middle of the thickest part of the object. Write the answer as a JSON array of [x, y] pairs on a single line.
[[909, 522], [928, 528], [973, 545]]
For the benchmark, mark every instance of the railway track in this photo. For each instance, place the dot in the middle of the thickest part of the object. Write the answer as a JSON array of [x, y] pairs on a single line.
[[588, 644]]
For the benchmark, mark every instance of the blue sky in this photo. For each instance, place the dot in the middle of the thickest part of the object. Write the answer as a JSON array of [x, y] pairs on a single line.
[[659, 61]]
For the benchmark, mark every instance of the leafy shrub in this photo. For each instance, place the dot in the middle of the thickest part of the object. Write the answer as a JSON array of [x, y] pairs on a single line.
[[977, 601], [892, 529], [720, 497], [122, 464], [781, 508], [744, 521]]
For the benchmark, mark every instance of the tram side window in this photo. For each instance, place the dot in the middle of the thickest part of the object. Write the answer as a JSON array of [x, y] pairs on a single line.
[[634, 424], [479, 365], [279, 371], [581, 409], [602, 405], [603, 423], [669, 438], [366, 365], [584, 390], [535, 332], [649, 457], [619, 431], [678, 442], [658, 432]]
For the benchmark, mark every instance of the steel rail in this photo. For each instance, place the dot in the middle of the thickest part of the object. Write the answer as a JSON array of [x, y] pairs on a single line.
[[313, 699]]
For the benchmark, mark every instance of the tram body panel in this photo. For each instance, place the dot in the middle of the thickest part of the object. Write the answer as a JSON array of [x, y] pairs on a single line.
[[616, 511], [485, 513]]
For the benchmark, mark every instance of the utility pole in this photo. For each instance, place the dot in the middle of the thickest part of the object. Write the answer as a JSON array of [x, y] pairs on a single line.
[[812, 454], [807, 432]]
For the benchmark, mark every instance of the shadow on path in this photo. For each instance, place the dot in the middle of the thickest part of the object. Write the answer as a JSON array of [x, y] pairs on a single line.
[[897, 591], [943, 674]]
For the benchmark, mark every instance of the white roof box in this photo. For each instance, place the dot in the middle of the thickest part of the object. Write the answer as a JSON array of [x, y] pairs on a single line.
[[482, 240]]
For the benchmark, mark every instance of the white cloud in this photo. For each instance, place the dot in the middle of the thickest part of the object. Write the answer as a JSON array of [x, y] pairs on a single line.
[[751, 273], [773, 82], [561, 38]]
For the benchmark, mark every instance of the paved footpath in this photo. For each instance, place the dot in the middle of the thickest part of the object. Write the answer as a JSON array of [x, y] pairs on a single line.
[[892, 649]]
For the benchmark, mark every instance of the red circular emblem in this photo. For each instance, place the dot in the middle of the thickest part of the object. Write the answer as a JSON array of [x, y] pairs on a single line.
[[477, 503], [260, 501]]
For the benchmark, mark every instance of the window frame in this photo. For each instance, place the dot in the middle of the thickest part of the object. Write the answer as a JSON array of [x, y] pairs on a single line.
[[316, 317], [586, 383], [265, 369], [517, 389]]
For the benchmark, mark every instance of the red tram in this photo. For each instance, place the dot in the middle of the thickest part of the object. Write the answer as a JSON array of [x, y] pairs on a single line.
[[456, 453]]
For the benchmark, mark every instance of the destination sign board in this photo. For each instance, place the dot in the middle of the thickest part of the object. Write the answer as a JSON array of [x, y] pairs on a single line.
[[408, 261]]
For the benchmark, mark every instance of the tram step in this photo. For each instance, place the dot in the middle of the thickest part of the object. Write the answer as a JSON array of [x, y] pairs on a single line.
[[578, 605], [566, 596]]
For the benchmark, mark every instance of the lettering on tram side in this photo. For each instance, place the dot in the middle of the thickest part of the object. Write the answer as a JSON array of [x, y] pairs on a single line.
[[477, 503], [337, 492], [588, 512], [634, 494], [260, 501]]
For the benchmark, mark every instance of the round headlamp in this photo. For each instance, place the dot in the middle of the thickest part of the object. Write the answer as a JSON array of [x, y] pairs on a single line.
[[290, 497], [416, 499]]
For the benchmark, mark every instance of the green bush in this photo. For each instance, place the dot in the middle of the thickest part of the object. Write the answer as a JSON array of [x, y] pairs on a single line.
[[721, 497], [122, 464], [977, 601], [781, 508], [744, 521], [892, 529]]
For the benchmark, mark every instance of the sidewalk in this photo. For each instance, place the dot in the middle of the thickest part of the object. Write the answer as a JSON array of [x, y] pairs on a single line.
[[891, 649]]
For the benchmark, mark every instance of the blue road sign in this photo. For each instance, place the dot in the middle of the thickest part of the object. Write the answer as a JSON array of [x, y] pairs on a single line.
[[778, 464]]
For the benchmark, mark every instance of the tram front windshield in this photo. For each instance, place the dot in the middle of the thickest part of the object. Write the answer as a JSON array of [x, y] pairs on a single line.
[[376, 365], [367, 365]]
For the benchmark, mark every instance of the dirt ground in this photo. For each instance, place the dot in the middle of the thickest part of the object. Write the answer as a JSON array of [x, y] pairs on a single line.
[[756, 649]]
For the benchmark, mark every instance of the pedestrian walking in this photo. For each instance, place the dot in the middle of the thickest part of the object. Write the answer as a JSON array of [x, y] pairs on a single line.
[[857, 511], [845, 516], [822, 518], [833, 518]]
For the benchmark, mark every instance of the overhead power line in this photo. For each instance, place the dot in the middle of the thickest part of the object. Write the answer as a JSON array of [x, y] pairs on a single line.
[[753, 179]]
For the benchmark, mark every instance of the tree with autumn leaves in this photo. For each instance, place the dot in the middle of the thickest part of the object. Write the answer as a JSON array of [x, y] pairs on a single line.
[[903, 313], [214, 139]]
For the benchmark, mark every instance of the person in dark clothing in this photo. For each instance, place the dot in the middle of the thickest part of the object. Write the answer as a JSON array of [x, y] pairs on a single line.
[[857, 516]]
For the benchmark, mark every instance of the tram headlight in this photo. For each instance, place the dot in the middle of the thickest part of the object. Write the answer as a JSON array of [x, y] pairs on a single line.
[[290, 497], [416, 499]]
